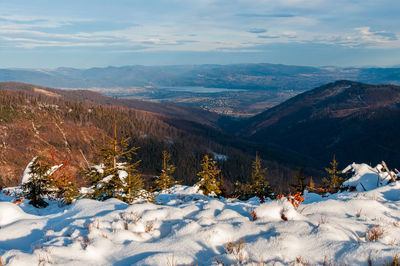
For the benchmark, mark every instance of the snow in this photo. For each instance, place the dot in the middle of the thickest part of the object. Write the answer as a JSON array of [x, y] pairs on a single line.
[[10, 212], [186, 227], [365, 177], [220, 157], [122, 174], [27, 172]]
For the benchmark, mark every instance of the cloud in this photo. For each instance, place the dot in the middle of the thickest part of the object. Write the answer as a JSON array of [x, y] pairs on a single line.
[[260, 15], [257, 30], [268, 36]]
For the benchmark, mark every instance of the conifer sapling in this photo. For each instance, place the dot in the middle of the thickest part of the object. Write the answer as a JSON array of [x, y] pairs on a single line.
[[116, 176], [208, 183], [335, 179], [38, 184], [165, 180], [259, 185]]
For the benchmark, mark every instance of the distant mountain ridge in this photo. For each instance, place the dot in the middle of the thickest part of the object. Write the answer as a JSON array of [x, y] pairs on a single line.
[[237, 76]]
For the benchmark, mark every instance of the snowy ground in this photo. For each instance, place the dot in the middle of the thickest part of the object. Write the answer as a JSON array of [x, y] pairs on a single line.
[[188, 228]]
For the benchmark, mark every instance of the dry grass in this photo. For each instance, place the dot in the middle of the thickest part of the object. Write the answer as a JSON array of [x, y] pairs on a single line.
[[301, 261], [219, 261], [235, 247], [149, 226], [374, 233], [237, 250]]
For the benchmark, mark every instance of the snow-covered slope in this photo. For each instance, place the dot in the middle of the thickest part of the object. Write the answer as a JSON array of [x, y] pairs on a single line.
[[185, 227]]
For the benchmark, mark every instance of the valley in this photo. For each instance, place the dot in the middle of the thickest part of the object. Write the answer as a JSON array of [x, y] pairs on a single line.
[[230, 102], [238, 90]]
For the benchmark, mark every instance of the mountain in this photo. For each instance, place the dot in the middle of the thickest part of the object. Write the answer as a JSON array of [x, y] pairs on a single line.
[[355, 121], [237, 76], [35, 119]]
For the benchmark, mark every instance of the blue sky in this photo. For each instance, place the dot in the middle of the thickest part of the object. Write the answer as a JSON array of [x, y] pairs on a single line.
[[88, 33]]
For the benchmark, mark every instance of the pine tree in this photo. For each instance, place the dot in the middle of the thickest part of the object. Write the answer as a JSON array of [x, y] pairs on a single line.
[[116, 176], [259, 185], [335, 179], [165, 180], [208, 177], [135, 186], [311, 184], [38, 184], [299, 180]]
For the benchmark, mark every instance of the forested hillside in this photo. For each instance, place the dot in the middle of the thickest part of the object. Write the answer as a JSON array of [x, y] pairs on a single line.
[[357, 122], [34, 119]]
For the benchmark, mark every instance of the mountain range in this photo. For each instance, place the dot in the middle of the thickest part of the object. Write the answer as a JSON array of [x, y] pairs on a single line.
[[238, 76]]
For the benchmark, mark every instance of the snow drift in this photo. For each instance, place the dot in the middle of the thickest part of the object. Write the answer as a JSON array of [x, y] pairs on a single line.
[[185, 227]]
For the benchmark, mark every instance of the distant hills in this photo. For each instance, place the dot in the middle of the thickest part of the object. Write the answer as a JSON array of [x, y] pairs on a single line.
[[238, 76], [357, 122]]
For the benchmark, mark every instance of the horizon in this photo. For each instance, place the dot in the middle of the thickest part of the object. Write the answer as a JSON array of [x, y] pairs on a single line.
[[291, 32], [204, 64]]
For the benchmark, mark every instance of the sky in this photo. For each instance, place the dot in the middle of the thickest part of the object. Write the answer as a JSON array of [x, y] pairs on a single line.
[[98, 33]]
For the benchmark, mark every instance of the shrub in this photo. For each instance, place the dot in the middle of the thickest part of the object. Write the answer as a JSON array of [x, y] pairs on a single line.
[[374, 233]]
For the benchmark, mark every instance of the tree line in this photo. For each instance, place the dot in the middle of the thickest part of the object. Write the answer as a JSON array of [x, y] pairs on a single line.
[[116, 174]]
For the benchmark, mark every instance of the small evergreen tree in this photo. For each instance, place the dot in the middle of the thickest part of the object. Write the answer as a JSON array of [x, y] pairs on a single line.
[[135, 186], [334, 179], [38, 184], [259, 185], [208, 177], [299, 180], [116, 176], [165, 180]]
